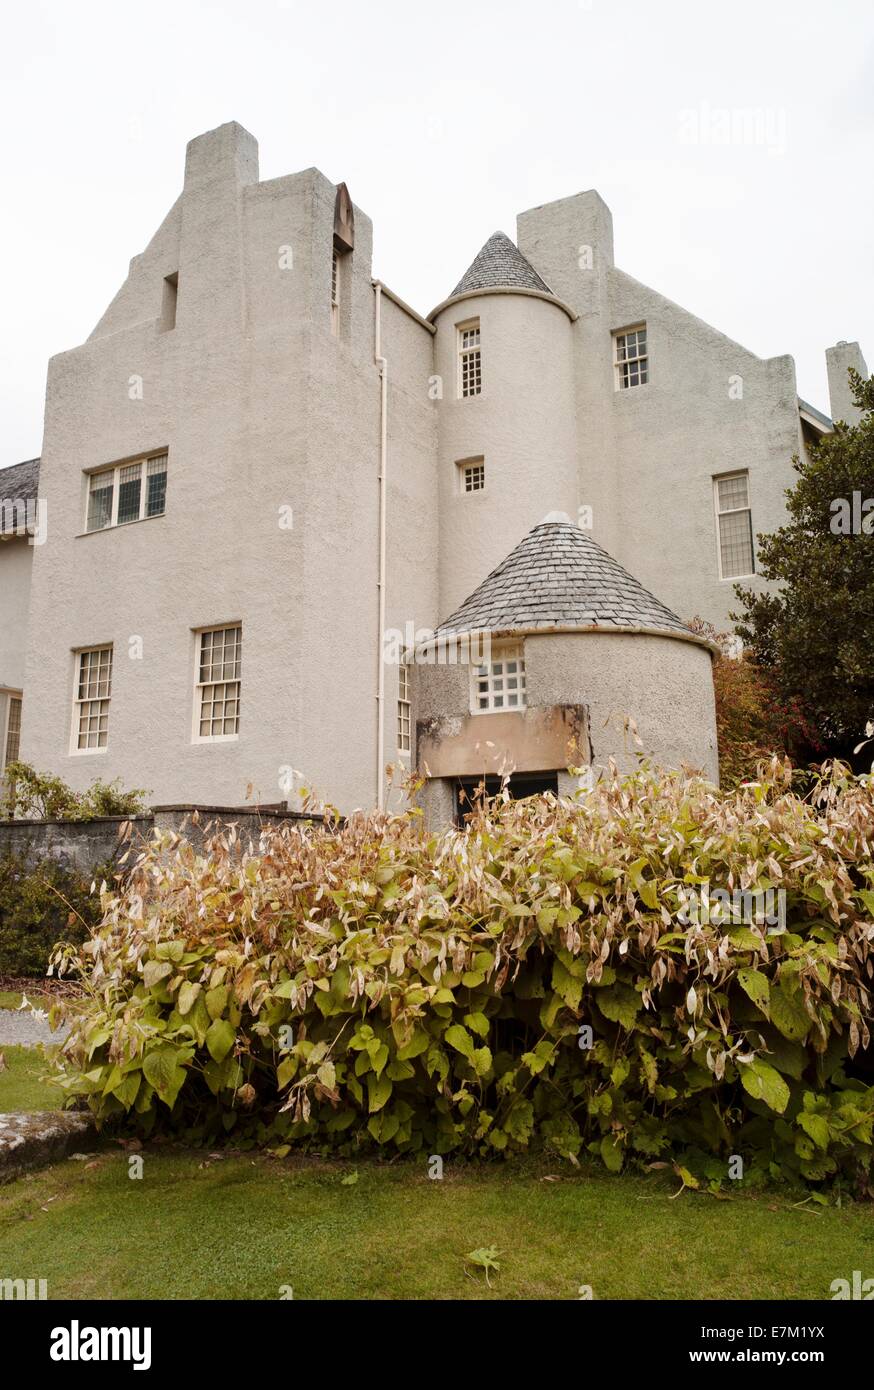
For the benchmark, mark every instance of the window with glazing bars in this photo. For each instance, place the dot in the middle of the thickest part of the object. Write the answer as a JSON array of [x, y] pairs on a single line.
[[473, 475], [470, 371], [499, 684], [218, 682], [735, 522], [93, 693], [404, 710], [632, 362], [127, 492], [13, 730]]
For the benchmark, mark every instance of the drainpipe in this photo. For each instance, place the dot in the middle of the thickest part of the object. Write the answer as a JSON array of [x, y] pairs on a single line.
[[382, 364]]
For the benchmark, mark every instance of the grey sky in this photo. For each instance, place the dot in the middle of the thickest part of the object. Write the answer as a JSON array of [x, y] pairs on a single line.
[[446, 120]]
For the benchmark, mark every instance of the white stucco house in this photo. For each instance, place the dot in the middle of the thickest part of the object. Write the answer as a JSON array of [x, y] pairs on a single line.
[[292, 530]]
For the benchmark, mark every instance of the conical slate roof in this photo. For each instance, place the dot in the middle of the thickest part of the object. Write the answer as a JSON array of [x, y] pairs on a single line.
[[500, 265], [558, 576], [21, 481]]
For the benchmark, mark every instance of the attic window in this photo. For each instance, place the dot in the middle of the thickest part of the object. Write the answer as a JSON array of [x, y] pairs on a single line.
[[632, 360], [168, 301], [499, 684], [470, 375]]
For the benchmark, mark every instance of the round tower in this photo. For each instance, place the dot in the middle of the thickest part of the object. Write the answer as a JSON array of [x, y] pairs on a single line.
[[507, 446]]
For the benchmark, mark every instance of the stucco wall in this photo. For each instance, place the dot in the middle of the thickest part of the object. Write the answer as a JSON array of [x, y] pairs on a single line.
[[16, 560], [523, 425], [663, 684], [648, 455], [261, 408]]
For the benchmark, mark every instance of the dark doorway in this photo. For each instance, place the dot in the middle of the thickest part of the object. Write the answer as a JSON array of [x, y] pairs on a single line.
[[521, 784]]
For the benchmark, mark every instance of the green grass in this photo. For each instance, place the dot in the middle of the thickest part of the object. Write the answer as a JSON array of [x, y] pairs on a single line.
[[243, 1226], [23, 1084]]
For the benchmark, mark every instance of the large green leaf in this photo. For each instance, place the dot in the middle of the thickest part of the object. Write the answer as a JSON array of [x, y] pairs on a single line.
[[762, 1082], [789, 1014], [220, 1039], [757, 986], [161, 1068], [460, 1039], [620, 1004]]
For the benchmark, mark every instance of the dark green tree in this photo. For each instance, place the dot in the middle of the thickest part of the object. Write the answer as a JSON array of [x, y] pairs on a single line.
[[814, 636]]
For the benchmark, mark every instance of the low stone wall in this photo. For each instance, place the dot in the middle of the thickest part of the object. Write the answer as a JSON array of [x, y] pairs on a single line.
[[75, 845], [44, 1136], [83, 845]]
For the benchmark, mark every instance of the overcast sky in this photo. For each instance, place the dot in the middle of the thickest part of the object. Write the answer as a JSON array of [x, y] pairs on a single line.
[[445, 121]]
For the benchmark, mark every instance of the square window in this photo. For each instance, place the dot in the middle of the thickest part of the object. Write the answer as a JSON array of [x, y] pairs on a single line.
[[472, 475], [500, 684]]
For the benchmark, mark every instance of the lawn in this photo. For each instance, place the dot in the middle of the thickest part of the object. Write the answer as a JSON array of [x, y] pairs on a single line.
[[244, 1226], [23, 1084]]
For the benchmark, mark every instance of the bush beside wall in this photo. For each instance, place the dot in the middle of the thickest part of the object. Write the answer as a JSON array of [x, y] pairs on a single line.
[[374, 987], [39, 907]]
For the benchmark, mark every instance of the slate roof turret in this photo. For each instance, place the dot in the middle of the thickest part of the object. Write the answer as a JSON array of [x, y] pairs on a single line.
[[558, 577]]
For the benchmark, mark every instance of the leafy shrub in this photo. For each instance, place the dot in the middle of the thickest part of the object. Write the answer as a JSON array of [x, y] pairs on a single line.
[[32, 795], [38, 908], [373, 985], [753, 723]]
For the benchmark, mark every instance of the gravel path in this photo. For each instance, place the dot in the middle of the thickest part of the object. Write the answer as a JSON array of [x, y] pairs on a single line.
[[23, 1030]]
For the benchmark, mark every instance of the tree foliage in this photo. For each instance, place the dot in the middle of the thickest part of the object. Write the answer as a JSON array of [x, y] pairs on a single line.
[[32, 795], [814, 637]]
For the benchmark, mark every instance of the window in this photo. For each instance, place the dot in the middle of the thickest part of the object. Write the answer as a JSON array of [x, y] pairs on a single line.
[[404, 707], [472, 475], [217, 682], [12, 744], [470, 374], [632, 362], [91, 703], [335, 291], [735, 523], [127, 492], [500, 683]]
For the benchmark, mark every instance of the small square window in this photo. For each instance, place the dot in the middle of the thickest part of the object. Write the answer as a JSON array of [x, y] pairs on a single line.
[[472, 475], [499, 684]]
